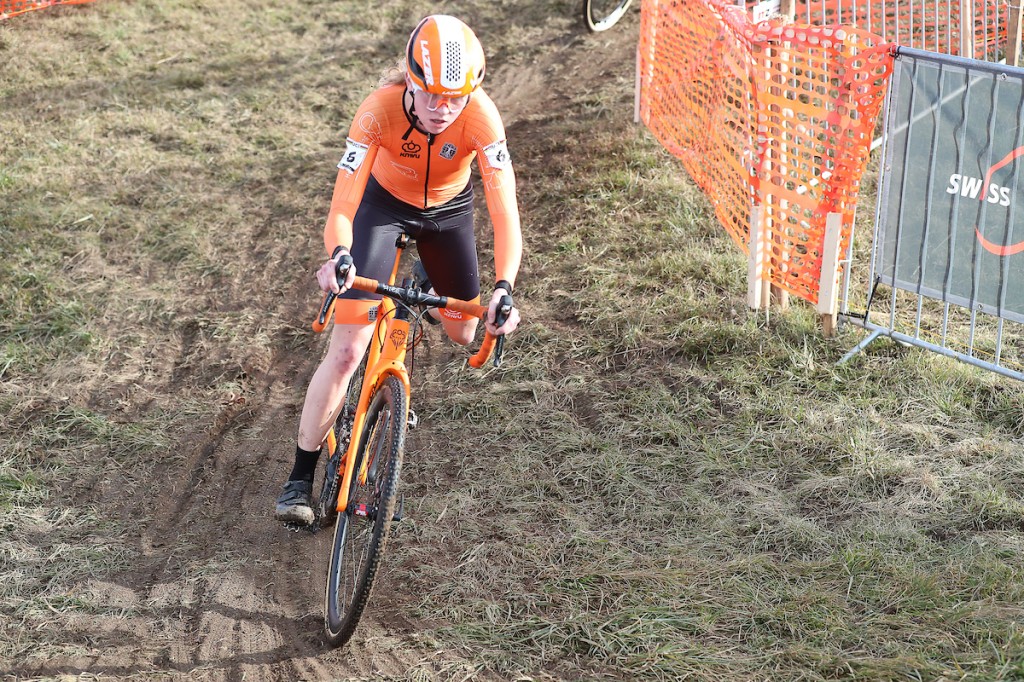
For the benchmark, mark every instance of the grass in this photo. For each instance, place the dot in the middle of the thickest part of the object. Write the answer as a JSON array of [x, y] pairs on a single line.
[[658, 483]]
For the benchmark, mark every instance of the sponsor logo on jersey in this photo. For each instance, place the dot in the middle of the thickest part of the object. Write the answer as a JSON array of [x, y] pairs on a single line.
[[411, 150], [405, 170], [448, 151]]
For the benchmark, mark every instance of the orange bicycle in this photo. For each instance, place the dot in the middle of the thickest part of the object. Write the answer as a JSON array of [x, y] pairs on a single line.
[[359, 492]]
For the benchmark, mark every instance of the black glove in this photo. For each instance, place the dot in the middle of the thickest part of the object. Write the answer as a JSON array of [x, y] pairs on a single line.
[[505, 304], [342, 265]]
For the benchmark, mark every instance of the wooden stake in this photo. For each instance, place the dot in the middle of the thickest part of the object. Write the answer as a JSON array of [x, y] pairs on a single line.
[[828, 291], [636, 88], [967, 29], [755, 264], [1014, 24]]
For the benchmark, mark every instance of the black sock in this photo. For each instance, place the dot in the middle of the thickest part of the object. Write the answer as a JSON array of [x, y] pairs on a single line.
[[305, 465]]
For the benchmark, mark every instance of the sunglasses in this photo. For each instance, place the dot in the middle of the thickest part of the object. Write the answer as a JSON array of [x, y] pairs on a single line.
[[434, 101]]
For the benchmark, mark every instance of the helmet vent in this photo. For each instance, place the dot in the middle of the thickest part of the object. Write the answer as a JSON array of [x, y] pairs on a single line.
[[453, 62]]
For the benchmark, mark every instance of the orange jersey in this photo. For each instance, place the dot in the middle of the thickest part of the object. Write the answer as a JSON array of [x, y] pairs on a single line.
[[426, 170]]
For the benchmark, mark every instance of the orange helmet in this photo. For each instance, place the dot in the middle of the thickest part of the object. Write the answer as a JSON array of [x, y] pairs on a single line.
[[444, 57]]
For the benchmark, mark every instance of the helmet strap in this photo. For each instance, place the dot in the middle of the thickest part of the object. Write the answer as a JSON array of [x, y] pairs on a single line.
[[414, 119]]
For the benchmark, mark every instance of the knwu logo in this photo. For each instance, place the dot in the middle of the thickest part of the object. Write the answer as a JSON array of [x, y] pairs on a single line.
[[411, 150], [983, 189]]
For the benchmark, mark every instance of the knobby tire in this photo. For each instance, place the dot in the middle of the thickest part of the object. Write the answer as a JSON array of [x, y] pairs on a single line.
[[601, 15], [359, 541]]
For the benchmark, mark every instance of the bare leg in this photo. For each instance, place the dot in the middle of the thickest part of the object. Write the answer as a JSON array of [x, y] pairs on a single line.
[[323, 397], [330, 381], [460, 331]]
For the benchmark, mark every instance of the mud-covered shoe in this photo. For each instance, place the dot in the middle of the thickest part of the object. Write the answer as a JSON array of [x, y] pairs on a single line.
[[419, 274], [295, 504]]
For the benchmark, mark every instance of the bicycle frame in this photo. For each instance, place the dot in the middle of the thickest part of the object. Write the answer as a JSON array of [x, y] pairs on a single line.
[[385, 356], [376, 431]]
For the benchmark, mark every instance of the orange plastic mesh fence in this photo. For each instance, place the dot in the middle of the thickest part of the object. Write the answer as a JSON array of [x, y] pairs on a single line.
[[696, 99], [928, 25], [8, 8], [770, 114]]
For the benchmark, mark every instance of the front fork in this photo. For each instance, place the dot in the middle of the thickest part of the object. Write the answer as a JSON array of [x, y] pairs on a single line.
[[387, 357]]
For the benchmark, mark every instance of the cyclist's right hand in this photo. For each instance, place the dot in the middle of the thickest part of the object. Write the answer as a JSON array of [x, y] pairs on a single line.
[[337, 275], [502, 314]]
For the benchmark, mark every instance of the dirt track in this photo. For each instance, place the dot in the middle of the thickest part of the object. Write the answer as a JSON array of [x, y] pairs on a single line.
[[217, 590]]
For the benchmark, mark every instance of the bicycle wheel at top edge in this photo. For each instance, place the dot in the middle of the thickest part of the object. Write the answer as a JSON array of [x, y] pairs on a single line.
[[361, 532], [327, 503], [600, 15]]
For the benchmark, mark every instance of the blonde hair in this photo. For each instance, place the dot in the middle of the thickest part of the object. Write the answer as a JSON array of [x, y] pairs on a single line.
[[393, 75]]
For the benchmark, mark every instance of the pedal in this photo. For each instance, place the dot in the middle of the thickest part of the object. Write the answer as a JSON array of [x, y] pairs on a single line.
[[297, 527], [398, 512], [412, 420]]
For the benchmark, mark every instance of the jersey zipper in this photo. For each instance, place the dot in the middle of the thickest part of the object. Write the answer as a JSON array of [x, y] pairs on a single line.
[[426, 180]]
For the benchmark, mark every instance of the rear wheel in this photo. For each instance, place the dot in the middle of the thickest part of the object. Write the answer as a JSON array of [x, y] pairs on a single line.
[[362, 529], [601, 15], [327, 504]]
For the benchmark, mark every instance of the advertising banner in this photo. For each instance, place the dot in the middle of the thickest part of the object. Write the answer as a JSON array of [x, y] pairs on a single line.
[[951, 200]]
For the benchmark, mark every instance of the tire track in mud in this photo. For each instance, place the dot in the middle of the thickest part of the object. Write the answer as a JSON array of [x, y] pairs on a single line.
[[247, 617], [228, 593]]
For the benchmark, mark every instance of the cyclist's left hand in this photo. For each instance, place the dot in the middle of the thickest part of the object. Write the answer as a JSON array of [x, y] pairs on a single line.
[[510, 324]]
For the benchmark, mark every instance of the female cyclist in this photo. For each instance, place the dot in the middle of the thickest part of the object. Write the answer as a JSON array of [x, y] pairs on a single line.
[[406, 168]]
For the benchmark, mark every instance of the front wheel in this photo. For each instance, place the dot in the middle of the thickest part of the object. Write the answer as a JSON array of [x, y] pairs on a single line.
[[601, 15], [362, 529]]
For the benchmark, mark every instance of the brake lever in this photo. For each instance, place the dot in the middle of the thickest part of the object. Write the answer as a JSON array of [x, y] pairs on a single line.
[[500, 317], [499, 348], [328, 300]]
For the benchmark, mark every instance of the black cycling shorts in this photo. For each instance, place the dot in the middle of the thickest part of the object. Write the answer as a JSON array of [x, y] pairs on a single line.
[[444, 238]]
